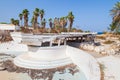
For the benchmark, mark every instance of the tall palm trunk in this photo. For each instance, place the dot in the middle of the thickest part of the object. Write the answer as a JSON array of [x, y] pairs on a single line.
[[35, 15], [25, 14], [71, 19], [25, 22], [44, 23], [20, 22], [42, 12], [50, 24], [20, 16], [70, 26], [35, 22]]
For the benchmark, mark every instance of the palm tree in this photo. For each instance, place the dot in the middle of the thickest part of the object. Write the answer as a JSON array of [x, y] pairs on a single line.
[[43, 23], [16, 22], [115, 12], [12, 20], [116, 9], [112, 27], [50, 23], [36, 14], [25, 15], [42, 13], [32, 22], [63, 22], [21, 16], [71, 19], [56, 23]]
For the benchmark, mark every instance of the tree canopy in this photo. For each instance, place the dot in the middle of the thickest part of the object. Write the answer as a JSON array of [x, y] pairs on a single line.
[[115, 13]]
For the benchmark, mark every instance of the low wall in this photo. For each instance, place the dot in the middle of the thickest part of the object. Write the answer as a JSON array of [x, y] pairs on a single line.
[[16, 36], [52, 57], [86, 62], [44, 58], [50, 53], [13, 48]]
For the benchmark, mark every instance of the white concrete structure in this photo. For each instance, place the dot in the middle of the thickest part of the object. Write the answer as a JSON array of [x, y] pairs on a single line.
[[37, 40], [79, 33], [7, 27], [31, 39], [52, 57], [13, 48], [86, 63], [16, 36]]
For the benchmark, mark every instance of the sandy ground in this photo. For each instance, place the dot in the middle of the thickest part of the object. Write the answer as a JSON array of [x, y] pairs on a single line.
[[111, 67], [94, 54], [4, 75]]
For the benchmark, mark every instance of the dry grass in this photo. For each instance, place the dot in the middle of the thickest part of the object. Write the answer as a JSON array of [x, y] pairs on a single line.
[[6, 37], [26, 30], [101, 37], [108, 42], [102, 71]]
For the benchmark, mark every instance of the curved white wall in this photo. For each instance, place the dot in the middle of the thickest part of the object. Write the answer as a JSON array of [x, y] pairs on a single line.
[[44, 58], [52, 57], [50, 53], [86, 62]]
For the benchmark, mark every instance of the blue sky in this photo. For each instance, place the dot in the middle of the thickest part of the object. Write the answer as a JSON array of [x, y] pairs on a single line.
[[93, 15]]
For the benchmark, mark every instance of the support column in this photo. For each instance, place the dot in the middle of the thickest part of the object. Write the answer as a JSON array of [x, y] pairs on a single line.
[[50, 43], [81, 38], [59, 42], [64, 41]]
